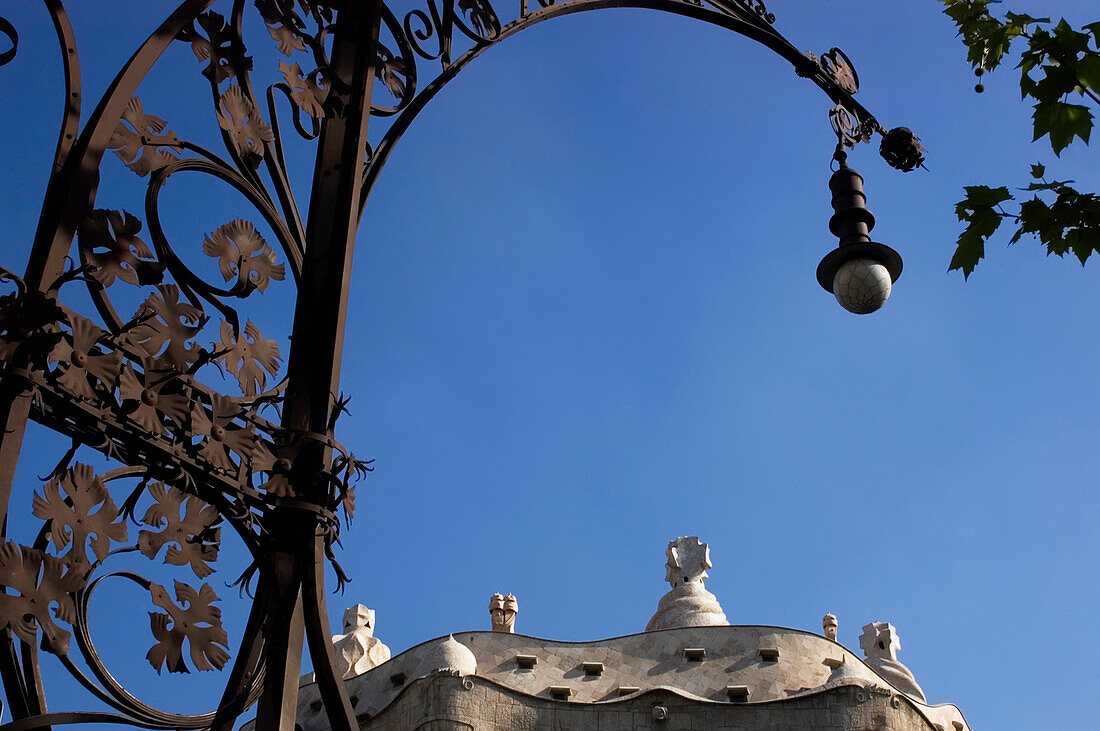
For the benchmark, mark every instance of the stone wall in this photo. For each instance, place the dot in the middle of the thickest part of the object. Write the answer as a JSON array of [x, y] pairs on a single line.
[[448, 702]]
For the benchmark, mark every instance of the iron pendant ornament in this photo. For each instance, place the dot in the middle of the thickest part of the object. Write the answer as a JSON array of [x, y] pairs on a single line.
[[902, 150], [213, 428]]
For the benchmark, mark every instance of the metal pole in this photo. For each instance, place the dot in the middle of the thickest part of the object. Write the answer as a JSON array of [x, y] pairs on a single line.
[[313, 382]]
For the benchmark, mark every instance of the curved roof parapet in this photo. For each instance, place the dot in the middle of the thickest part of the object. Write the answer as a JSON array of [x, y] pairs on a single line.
[[716, 664]]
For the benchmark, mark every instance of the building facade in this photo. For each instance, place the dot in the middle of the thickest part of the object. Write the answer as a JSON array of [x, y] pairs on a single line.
[[690, 669]]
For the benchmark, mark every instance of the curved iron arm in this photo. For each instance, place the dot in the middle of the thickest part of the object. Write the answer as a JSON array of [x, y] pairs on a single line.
[[70, 121], [728, 15]]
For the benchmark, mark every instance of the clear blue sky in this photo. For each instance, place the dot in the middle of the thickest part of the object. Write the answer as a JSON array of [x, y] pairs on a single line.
[[585, 321]]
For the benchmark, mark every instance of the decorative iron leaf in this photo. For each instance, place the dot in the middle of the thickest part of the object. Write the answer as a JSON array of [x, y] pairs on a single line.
[[81, 359], [221, 46], [223, 435], [200, 420], [278, 482], [349, 504], [110, 242], [286, 40], [247, 356], [89, 513], [308, 92], [242, 253], [238, 117], [263, 456], [279, 486], [165, 324], [154, 393], [141, 145], [482, 16], [283, 24], [350, 469], [193, 539], [392, 71], [192, 617], [42, 582]]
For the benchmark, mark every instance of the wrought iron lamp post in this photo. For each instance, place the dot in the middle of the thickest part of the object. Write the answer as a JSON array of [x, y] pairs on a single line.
[[191, 457]]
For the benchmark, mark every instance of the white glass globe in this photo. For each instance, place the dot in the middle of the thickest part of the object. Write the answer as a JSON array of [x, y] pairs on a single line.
[[861, 285]]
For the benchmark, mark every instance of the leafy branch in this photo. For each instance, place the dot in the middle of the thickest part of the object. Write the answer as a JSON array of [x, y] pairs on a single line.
[[1070, 222], [1059, 68]]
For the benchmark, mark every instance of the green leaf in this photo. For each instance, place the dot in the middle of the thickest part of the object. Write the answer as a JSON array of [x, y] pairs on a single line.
[[1038, 171], [982, 219], [981, 196], [1022, 19], [1078, 244], [1088, 71], [970, 248], [1068, 42], [1033, 214], [1070, 224], [1089, 240], [1094, 28], [1057, 81], [1062, 122]]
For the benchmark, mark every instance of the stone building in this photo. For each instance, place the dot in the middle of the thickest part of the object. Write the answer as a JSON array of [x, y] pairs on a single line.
[[690, 669]]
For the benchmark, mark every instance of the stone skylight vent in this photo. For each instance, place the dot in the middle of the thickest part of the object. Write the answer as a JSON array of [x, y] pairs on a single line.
[[592, 669], [769, 654], [397, 680], [695, 654], [560, 692], [526, 662], [737, 693], [627, 689]]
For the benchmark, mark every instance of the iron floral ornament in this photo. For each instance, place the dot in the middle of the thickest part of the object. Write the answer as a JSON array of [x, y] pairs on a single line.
[[211, 427]]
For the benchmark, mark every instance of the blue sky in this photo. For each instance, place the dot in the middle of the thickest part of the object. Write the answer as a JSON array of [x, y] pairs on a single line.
[[585, 321]]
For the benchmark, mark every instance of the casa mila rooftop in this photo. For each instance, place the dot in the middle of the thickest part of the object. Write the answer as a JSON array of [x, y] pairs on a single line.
[[689, 669]]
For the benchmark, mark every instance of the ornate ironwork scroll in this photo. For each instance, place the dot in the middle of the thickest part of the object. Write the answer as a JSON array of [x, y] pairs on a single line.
[[210, 423]]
